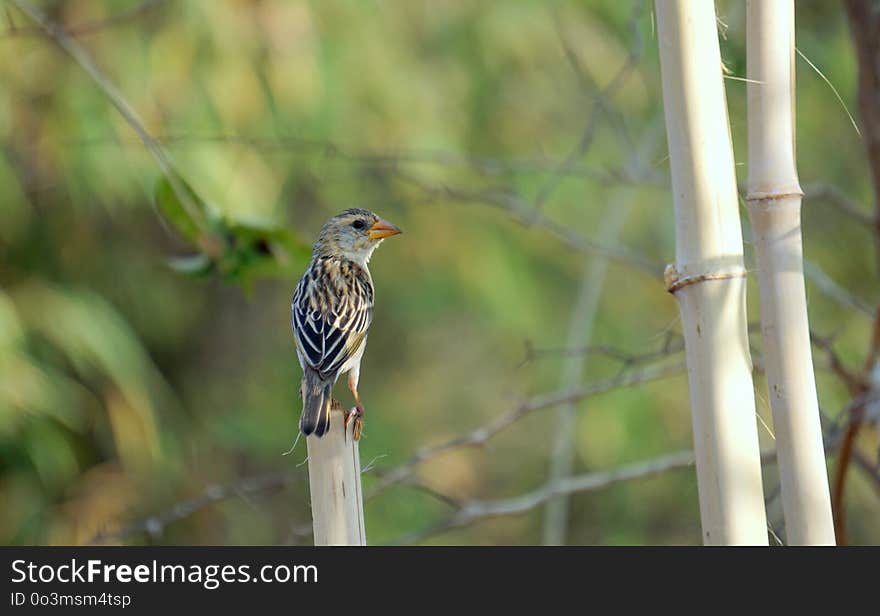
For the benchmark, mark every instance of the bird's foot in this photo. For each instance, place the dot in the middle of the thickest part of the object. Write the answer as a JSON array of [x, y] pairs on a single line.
[[356, 417]]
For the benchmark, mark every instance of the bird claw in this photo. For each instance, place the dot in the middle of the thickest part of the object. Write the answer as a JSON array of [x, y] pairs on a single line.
[[355, 417]]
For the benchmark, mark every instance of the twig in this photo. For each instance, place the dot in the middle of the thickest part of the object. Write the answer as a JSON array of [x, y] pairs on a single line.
[[852, 381], [864, 23], [155, 525], [395, 157], [600, 104], [88, 27], [84, 60], [475, 510], [835, 197], [673, 343], [525, 213], [481, 435], [865, 394], [834, 291], [872, 469]]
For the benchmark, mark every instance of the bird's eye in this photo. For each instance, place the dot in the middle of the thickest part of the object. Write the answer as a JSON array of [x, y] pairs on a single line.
[[359, 224]]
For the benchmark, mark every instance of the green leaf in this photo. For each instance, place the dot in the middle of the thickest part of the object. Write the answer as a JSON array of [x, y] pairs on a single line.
[[261, 251], [184, 211], [192, 265], [239, 251]]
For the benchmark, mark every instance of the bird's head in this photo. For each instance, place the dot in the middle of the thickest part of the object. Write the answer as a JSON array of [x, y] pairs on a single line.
[[353, 235]]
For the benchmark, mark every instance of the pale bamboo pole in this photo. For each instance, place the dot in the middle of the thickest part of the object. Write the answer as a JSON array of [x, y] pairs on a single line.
[[774, 205], [335, 484], [580, 330], [708, 277]]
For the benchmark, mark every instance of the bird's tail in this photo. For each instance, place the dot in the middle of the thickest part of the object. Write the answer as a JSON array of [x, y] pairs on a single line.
[[316, 392]]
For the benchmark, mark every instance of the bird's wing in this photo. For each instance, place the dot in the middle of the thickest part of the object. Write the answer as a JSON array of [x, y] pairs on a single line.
[[330, 321]]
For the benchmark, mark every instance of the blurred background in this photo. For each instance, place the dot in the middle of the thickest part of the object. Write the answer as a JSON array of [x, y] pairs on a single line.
[[148, 378]]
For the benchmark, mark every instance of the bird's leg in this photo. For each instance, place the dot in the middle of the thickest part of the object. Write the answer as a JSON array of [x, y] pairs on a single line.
[[357, 413]]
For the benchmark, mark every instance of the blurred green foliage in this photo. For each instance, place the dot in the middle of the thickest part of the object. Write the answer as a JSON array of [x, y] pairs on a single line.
[[145, 349]]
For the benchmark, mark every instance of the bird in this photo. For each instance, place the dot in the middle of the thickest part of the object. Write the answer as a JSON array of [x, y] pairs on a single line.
[[331, 313]]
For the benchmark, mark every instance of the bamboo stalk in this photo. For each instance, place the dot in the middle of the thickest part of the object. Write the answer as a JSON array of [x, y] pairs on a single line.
[[335, 484], [708, 278], [580, 330], [774, 205]]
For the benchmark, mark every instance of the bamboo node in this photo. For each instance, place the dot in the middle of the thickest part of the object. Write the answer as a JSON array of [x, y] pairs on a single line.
[[768, 198], [675, 281]]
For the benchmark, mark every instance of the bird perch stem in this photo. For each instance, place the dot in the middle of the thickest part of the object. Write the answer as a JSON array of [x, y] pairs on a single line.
[[335, 484]]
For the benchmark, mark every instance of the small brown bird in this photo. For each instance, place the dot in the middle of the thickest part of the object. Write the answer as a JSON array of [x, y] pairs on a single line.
[[332, 309]]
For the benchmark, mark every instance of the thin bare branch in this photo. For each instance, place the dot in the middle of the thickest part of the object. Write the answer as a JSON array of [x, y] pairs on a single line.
[[481, 435], [154, 526], [864, 24], [871, 468], [525, 213], [394, 158], [87, 27], [673, 343], [474, 511], [600, 106], [834, 291], [85, 61], [836, 198], [850, 379]]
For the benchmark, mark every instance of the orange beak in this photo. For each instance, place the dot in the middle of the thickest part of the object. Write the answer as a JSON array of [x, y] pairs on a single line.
[[382, 229]]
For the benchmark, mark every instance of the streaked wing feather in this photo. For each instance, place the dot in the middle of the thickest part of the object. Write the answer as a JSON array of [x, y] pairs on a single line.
[[329, 335]]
